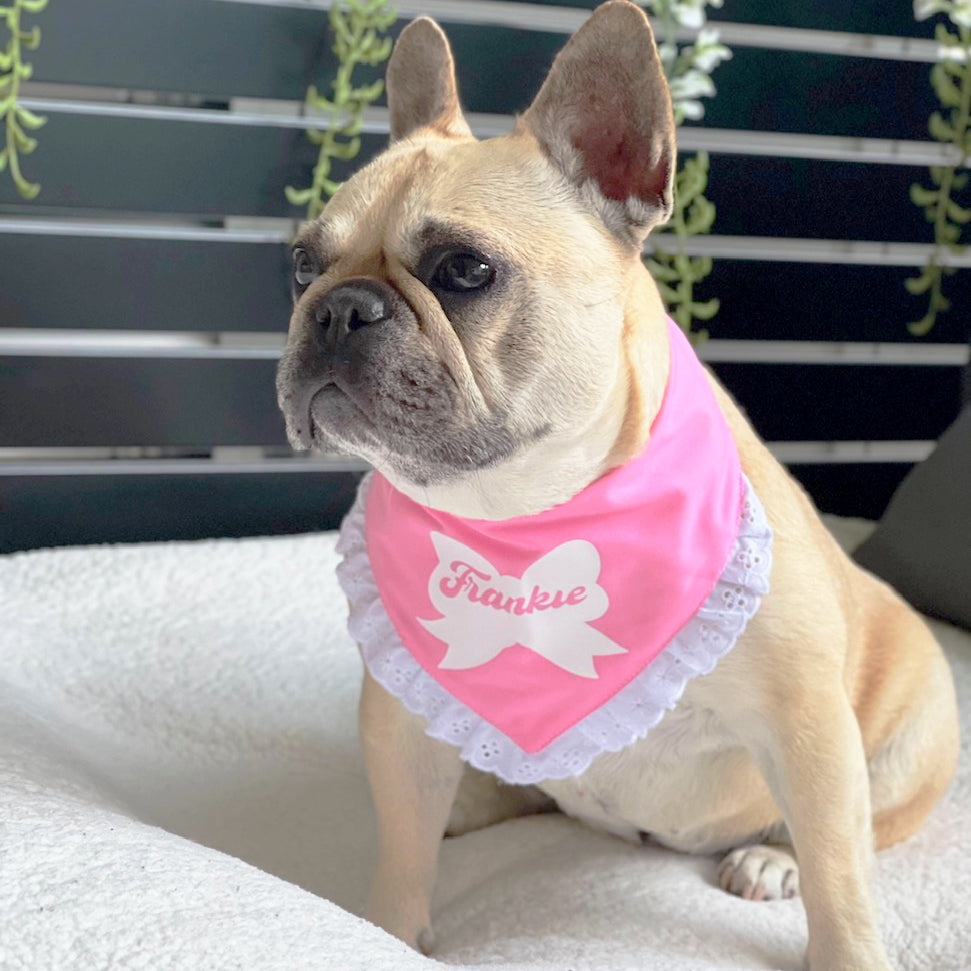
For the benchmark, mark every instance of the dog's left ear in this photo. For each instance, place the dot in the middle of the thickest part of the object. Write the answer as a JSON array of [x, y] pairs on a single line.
[[422, 92], [604, 118]]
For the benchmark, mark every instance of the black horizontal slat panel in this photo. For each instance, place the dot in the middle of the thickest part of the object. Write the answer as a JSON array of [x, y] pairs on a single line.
[[125, 164], [759, 196], [97, 401], [138, 284], [862, 16], [142, 284], [826, 302], [114, 401], [851, 489], [790, 91], [807, 402], [195, 46], [224, 50], [38, 511], [133, 164]]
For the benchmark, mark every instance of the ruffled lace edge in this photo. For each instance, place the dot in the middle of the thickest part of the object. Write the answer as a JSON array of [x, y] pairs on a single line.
[[624, 719]]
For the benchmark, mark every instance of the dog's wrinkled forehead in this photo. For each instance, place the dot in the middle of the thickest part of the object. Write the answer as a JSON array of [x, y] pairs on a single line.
[[499, 195]]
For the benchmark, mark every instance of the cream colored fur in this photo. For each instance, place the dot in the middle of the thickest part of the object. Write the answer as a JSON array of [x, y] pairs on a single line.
[[833, 720]]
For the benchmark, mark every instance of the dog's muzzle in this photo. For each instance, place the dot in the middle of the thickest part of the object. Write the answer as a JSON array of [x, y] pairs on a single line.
[[337, 332]]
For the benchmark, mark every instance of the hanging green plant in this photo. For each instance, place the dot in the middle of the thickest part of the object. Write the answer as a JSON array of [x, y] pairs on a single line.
[[951, 80], [687, 69], [359, 29], [13, 71]]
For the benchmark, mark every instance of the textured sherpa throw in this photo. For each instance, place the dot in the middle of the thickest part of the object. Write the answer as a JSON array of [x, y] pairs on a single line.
[[181, 788]]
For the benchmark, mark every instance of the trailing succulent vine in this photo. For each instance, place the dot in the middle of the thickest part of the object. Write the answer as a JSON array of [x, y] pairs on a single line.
[[16, 118], [358, 28], [951, 80], [687, 69]]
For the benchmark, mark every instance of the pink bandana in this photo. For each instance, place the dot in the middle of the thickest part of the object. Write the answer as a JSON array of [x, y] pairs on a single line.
[[533, 624]]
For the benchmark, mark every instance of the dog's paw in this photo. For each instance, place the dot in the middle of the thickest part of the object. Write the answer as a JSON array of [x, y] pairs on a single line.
[[760, 873]]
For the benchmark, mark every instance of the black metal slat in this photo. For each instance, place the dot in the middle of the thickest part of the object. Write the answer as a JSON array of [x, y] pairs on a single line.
[[39, 511], [145, 165], [78, 282], [194, 46], [97, 401], [123, 164], [851, 489], [863, 16], [825, 302], [183, 285], [58, 401], [819, 402]]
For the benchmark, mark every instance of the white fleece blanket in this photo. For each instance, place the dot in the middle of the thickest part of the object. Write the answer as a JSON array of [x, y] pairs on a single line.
[[181, 787]]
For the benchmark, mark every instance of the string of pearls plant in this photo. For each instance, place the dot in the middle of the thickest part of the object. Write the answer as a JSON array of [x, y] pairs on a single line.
[[688, 70], [17, 120], [951, 80], [359, 29]]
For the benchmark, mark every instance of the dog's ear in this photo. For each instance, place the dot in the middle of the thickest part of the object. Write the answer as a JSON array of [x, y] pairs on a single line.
[[422, 92], [604, 118]]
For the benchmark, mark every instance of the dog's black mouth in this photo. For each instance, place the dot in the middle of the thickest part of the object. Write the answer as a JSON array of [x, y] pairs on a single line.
[[334, 410]]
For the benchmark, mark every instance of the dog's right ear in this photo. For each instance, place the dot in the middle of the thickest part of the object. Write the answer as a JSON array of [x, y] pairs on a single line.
[[422, 92], [603, 117]]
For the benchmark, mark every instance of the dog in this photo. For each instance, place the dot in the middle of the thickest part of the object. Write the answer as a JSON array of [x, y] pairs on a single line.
[[475, 320]]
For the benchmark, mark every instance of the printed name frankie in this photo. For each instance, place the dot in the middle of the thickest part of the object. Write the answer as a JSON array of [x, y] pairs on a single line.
[[466, 578]]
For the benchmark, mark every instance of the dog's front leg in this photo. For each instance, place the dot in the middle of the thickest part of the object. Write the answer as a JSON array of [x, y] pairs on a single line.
[[812, 756], [413, 779]]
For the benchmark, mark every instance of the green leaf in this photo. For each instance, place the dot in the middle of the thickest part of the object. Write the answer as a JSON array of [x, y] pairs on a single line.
[[947, 91], [3, 160], [701, 267], [28, 119], [33, 6], [25, 144], [667, 294], [923, 197], [369, 93], [706, 310], [948, 233], [347, 151], [31, 39], [940, 129], [940, 303], [298, 197], [958, 214], [943, 36], [27, 190], [918, 285], [922, 327], [331, 187], [662, 272]]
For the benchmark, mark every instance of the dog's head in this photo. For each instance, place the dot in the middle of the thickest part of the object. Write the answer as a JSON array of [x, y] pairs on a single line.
[[463, 307]]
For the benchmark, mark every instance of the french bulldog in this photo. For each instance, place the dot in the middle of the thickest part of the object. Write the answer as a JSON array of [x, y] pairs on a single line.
[[474, 319]]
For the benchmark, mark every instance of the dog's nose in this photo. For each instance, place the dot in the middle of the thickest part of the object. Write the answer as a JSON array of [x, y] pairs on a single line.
[[352, 305]]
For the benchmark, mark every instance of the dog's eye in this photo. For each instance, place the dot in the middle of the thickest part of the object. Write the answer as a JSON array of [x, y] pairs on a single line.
[[462, 272], [304, 270]]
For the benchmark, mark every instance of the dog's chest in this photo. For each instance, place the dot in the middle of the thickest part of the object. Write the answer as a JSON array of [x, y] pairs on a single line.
[[664, 785]]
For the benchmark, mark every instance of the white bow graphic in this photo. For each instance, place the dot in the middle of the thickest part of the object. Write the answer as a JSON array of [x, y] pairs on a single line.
[[546, 610]]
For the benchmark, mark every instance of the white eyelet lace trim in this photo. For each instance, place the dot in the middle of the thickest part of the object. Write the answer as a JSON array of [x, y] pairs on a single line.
[[625, 718]]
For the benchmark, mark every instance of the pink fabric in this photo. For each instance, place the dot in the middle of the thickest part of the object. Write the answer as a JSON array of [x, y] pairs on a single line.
[[537, 621]]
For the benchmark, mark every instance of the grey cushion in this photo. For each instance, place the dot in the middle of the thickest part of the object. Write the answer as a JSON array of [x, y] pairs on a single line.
[[923, 543]]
